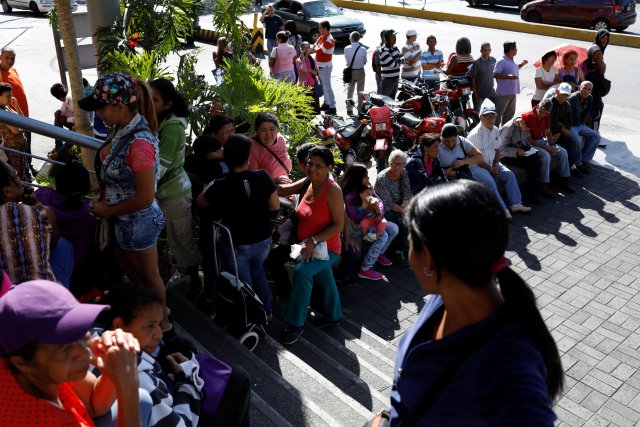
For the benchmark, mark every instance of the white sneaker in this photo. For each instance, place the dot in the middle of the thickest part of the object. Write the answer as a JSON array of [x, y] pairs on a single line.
[[370, 237], [520, 208], [508, 214]]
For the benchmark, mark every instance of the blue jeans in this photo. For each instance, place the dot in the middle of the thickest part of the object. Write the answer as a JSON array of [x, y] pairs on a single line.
[[559, 161], [591, 141], [327, 91], [250, 259], [61, 261], [271, 43], [379, 246], [306, 275], [146, 404], [484, 177], [510, 185]]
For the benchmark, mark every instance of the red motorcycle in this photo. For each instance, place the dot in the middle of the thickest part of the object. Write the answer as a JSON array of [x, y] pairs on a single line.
[[457, 95], [407, 127]]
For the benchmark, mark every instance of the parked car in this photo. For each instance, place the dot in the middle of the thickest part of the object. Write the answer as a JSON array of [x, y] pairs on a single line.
[[596, 14], [36, 6], [307, 14], [478, 3]]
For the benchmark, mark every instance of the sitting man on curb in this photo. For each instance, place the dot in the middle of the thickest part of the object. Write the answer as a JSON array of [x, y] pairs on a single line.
[[486, 138], [539, 124], [561, 126], [515, 150], [460, 159], [581, 103]]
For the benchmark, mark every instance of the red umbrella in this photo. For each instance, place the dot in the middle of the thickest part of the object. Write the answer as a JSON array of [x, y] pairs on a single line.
[[561, 50]]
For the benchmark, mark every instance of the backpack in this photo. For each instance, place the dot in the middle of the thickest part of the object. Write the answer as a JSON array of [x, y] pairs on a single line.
[[375, 60]]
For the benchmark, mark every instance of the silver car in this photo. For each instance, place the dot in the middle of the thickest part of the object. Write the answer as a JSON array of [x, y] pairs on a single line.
[[36, 6]]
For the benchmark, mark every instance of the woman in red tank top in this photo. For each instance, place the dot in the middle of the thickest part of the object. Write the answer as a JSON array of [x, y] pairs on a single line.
[[321, 218]]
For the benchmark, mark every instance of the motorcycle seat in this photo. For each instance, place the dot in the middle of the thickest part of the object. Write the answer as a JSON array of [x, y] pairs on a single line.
[[381, 100], [349, 131], [410, 120]]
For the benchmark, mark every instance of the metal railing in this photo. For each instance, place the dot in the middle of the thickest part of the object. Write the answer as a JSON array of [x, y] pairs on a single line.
[[46, 129]]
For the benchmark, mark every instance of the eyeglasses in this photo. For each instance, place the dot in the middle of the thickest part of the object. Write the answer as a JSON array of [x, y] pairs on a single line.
[[397, 164]]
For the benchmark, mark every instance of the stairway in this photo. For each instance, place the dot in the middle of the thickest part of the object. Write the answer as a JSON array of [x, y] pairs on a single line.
[[337, 376]]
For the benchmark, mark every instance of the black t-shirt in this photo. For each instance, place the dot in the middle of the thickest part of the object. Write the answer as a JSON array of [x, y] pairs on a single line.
[[241, 202], [198, 164]]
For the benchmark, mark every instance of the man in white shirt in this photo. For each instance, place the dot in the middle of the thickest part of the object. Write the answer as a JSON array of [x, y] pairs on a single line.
[[411, 53], [486, 138], [355, 56]]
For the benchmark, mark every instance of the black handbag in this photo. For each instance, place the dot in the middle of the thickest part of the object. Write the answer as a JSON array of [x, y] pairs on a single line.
[[346, 73], [463, 172]]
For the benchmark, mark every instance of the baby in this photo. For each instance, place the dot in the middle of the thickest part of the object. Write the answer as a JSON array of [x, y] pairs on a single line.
[[374, 224]]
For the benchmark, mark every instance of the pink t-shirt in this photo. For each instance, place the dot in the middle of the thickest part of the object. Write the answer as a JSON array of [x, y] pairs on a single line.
[[141, 156], [283, 54], [261, 158]]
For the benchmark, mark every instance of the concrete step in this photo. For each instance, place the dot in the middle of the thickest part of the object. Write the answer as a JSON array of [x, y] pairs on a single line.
[[302, 384]]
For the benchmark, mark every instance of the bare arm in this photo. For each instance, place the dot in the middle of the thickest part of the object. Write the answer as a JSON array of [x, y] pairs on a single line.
[[145, 193]]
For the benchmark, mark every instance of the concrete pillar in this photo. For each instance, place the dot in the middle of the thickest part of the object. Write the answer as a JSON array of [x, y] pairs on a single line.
[[102, 13]]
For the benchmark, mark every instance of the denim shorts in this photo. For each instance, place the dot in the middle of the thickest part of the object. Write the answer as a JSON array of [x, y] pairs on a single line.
[[139, 230]]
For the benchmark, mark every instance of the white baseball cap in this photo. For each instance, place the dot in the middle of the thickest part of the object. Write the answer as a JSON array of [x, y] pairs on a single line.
[[412, 33], [565, 88]]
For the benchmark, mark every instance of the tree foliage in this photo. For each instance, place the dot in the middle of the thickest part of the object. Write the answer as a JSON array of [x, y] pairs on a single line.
[[226, 20]]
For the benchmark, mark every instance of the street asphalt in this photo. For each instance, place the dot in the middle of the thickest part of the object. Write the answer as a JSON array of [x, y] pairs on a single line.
[[580, 253]]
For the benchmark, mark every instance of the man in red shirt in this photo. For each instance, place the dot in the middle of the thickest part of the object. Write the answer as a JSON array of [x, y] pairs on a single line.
[[8, 74], [538, 121]]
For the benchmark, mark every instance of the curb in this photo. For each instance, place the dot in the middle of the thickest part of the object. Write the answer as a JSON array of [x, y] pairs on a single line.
[[519, 26], [204, 35]]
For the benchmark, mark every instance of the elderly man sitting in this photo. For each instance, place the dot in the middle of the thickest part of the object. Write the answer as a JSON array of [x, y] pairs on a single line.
[[486, 138], [561, 126], [460, 159], [515, 150], [581, 103], [539, 124]]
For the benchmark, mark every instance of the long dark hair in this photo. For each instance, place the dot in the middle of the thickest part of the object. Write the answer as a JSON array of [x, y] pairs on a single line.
[[352, 178], [126, 300], [433, 218], [73, 182], [168, 93]]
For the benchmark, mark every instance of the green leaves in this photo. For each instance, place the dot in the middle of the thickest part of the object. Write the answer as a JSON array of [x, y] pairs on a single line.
[[144, 65]]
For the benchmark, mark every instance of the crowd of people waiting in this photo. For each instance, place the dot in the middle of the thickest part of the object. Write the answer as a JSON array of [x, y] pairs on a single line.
[[345, 227]]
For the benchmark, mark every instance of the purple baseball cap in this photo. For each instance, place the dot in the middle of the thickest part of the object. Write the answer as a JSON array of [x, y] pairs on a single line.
[[45, 312]]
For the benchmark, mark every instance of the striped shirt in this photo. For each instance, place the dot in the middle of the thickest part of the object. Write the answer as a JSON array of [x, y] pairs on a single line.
[[429, 58], [390, 60], [324, 50], [25, 236], [179, 407], [410, 52]]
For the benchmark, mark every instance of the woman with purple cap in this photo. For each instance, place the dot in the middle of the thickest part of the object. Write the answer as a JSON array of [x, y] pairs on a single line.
[[480, 352], [127, 167], [45, 356]]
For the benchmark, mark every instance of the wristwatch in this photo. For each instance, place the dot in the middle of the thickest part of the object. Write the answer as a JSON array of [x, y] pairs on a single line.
[[315, 242]]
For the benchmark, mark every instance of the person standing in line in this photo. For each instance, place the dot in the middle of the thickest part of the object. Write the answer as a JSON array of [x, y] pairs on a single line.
[[431, 60], [357, 70], [411, 53], [272, 24], [8, 74], [596, 68], [507, 75], [324, 59], [482, 76], [283, 59], [375, 61], [390, 61]]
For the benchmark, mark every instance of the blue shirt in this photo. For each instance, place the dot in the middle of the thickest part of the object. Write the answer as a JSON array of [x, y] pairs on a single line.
[[504, 86], [502, 382]]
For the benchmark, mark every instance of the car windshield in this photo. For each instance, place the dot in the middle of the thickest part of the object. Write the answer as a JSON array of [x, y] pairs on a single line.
[[318, 9]]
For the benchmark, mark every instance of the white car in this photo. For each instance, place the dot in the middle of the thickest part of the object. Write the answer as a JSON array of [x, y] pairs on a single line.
[[36, 6]]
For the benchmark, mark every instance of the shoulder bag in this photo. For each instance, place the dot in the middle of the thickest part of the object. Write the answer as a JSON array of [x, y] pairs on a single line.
[[274, 156], [346, 73], [463, 172]]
